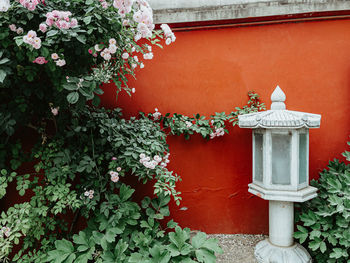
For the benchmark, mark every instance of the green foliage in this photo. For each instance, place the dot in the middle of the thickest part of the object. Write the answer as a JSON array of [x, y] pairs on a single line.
[[325, 220], [179, 124], [127, 235]]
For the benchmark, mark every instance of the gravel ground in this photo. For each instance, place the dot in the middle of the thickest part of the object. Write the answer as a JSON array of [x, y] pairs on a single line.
[[237, 248]]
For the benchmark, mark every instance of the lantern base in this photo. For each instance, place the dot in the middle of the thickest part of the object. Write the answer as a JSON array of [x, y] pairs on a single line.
[[265, 252], [301, 195]]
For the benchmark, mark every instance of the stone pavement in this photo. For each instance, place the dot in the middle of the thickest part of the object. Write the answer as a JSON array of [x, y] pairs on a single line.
[[237, 248]]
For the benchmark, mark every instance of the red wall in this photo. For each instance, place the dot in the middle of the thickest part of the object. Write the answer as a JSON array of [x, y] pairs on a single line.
[[209, 71]]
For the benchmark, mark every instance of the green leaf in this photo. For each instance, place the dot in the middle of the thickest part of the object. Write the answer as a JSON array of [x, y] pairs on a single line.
[[199, 239], [302, 229], [70, 258], [301, 236], [51, 33], [89, 2], [64, 246], [96, 101], [314, 245], [4, 60], [212, 244], [323, 247], [19, 41], [73, 97], [87, 20], [125, 192], [82, 38], [70, 86], [171, 224], [315, 233], [206, 256], [337, 253], [179, 237], [2, 75]]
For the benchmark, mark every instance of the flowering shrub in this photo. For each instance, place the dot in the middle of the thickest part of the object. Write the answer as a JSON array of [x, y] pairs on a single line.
[[54, 56]]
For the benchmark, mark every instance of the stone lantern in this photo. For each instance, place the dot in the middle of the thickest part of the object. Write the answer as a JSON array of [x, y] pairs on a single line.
[[280, 174]]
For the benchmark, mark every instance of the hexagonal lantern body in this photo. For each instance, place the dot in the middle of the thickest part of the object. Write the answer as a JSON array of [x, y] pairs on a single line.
[[281, 151]]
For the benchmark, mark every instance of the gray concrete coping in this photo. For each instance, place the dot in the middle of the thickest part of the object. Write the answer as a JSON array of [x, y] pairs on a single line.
[[183, 11]]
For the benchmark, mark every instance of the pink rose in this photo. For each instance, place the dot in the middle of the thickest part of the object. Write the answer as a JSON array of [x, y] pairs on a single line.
[[13, 27], [43, 27], [40, 60]]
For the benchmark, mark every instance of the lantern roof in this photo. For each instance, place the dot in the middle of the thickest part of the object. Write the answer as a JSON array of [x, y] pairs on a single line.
[[278, 116]]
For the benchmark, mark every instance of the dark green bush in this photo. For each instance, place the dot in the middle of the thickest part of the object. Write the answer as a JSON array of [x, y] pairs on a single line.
[[325, 220]]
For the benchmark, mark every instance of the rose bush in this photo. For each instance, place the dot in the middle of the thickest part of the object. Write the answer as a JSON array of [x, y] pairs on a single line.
[[54, 57]]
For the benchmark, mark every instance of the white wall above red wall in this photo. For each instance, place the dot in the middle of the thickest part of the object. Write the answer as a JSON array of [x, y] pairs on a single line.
[[183, 11]]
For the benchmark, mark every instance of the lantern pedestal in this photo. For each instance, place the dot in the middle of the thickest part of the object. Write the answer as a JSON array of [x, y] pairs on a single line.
[[280, 246]]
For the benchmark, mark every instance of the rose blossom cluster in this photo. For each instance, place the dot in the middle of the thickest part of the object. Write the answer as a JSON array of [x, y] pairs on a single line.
[[218, 132], [144, 18], [32, 39], [152, 163], [60, 19], [169, 35], [59, 62], [124, 6], [156, 115], [106, 52], [89, 194], [29, 4], [13, 28], [148, 55], [114, 176], [5, 231], [40, 60]]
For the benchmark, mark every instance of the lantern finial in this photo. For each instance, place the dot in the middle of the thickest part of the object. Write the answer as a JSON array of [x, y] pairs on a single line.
[[278, 98]]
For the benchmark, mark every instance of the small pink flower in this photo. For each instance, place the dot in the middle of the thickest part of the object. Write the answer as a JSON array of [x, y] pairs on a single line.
[[19, 31], [188, 124], [95, 55], [13, 27], [168, 41], [148, 55], [40, 60], [112, 41], [60, 62], [112, 48], [31, 34], [114, 158], [119, 169], [55, 111], [54, 56], [114, 178], [90, 51], [73, 22], [125, 55], [97, 48], [43, 27]]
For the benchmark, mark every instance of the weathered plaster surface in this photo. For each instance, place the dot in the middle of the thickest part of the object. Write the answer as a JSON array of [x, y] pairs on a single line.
[[178, 11]]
